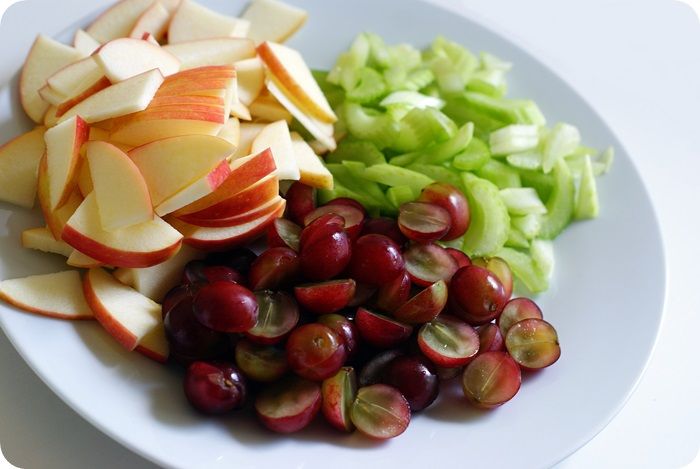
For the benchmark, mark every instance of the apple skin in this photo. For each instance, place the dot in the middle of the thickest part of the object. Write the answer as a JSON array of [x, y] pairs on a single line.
[[122, 335], [254, 213]]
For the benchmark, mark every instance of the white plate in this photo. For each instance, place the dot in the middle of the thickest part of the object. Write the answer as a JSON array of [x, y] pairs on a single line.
[[606, 301]]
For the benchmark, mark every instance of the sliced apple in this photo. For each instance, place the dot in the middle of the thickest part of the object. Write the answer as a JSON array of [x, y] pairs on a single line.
[[239, 218], [141, 245], [19, 165], [156, 281], [45, 58], [276, 137], [119, 20], [249, 130], [58, 295], [171, 164], [251, 79], [155, 126], [84, 43], [154, 21], [313, 172], [155, 346], [217, 239], [55, 219], [129, 96], [187, 100], [126, 314], [268, 109], [202, 187], [41, 239], [240, 111], [148, 37], [63, 144], [216, 51], [76, 77], [111, 171], [51, 96], [68, 104], [192, 21], [84, 180], [288, 67], [83, 261], [272, 20], [231, 132], [127, 57], [321, 131]]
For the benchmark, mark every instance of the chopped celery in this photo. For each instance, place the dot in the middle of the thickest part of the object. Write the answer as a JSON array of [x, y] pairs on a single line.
[[441, 152], [344, 72], [405, 159], [399, 195], [345, 177], [395, 78], [500, 174], [606, 159], [526, 160], [418, 79], [335, 94], [524, 269], [561, 141], [587, 201], [413, 99], [490, 223], [542, 183], [369, 124], [516, 239], [438, 173], [420, 127], [528, 225], [488, 82], [529, 113], [356, 150], [473, 157], [393, 176], [451, 63], [339, 190], [491, 62], [457, 109], [522, 201], [513, 139], [357, 170], [499, 109], [560, 204], [542, 253], [369, 86]]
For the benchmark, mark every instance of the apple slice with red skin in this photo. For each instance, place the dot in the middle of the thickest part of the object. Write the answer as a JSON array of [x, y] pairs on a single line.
[[238, 219], [338, 394], [448, 342], [289, 405], [425, 306], [325, 297], [381, 331]]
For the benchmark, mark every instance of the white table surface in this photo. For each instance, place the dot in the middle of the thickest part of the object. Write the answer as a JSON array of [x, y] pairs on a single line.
[[638, 62]]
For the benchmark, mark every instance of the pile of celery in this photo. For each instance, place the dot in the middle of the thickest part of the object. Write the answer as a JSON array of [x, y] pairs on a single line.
[[408, 118]]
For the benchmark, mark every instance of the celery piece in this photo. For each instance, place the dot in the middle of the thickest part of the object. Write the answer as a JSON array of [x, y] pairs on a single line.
[[378, 51], [499, 109], [334, 94], [524, 269], [369, 124], [441, 152], [405, 159], [500, 174], [357, 170], [528, 225], [339, 190], [421, 127], [529, 113], [344, 72], [606, 159], [393, 176], [395, 78], [516, 239], [522, 201], [514, 139], [526, 160], [356, 150], [438, 173], [542, 183], [369, 86], [451, 63], [490, 223], [587, 205], [458, 109], [398, 111], [474, 156], [399, 195], [491, 62], [418, 79], [542, 253], [413, 99], [560, 204], [483, 82], [561, 141], [404, 55]]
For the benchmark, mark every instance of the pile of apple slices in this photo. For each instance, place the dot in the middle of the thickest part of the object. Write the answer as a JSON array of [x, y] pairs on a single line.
[[164, 123]]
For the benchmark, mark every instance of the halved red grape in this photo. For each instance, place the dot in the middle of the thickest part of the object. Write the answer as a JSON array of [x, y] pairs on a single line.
[[363, 293], [384, 226], [326, 256], [394, 294], [354, 217], [349, 202], [462, 259], [226, 307], [446, 374], [288, 405], [427, 263], [516, 310], [301, 200], [278, 314], [320, 228], [490, 338], [239, 259], [190, 340], [376, 260], [423, 222], [338, 394], [453, 201], [192, 273], [345, 329], [380, 411], [315, 351], [380, 331], [214, 273], [273, 268], [283, 233], [175, 296], [478, 295], [214, 388], [373, 371], [326, 297], [415, 378], [448, 341], [263, 363], [533, 343], [491, 379], [500, 268], [425, 306]]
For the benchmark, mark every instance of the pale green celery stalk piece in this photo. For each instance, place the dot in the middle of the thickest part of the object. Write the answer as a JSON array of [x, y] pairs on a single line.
[[356, 150], [453, 243], [395, 77], [490, 222], [575, 162], [529, 225], [522, 201], [524, 269], [438, 173], [393, 176], [404, 55], [339, 190], [378, 51], [443, 151], [450, 80], [491, 62], [420, 128], [344, 73], [405, 159], [516, 239], [587, 205], [412, 99], [473, 157], [498, 109], [561, 141], [457, 109], [500, 174], [560, 204], [398, 111], [335, 94], [542, 253], [368, 124], [400, 195], [369, 86], [514, 139], [529, 113], [606, 158], [488, 82], [418, 79], [542, 183], [342, 174], [526, 160], [357, 170]]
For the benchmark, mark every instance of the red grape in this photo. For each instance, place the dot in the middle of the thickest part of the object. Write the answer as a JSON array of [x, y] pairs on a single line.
[[320, 228], [339, 393], [374, 370], [376, 260], [380, 331], [380, 411], [453, 201], [315, 351], [327, 297], [354, 217], [325, 256], [533, 343], [384, 226], [516, 310], [214, 388], [363, 293], [394, 294], [490, 338], [263, 363], [425, 306], [448, 341], [301, 200], [415, 378], [273, 268], [423, 222], [239, 259], [213, 273], [288, 405], [428, 263], [278, 314], [345, 329], [491, 379], [478, 294], [192, 274], [189, 340], [500, 269], [226, 307], [283, 233], [461, 258], [175, 296], [349, 202]]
